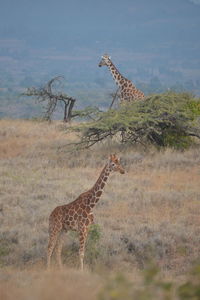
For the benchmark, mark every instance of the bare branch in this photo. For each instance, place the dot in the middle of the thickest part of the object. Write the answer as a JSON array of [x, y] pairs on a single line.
[[114, 96], [45, 94]]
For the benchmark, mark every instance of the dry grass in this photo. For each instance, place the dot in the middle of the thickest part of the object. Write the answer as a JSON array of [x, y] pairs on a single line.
[[42, 285], [150, 213]]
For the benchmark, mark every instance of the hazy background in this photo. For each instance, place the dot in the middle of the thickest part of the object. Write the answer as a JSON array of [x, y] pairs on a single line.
[[154, 43]]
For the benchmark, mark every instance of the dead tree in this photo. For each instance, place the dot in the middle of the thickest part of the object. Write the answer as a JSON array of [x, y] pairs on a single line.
[[46, 94]]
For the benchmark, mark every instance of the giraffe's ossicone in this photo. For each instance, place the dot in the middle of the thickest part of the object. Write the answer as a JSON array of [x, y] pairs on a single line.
[[128, 92], [78, 215]]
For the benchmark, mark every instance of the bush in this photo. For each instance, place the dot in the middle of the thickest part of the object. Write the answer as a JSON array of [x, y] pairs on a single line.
[[168, 119], [152, 287], [93, 249], [8, 242]]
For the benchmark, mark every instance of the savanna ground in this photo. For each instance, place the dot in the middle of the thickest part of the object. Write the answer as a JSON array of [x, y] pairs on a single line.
[[149, 216]]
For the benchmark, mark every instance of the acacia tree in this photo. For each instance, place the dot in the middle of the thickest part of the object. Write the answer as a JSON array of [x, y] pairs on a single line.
[[51, 98], [168, 119]]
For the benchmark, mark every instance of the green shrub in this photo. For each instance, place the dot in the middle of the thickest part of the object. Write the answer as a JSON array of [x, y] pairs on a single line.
[[117, 288], [4, 250], [93, 248], [152, 287], [7, 243], [191, 288]]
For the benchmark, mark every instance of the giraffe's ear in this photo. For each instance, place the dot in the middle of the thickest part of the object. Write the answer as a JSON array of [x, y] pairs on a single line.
[[111, 156]]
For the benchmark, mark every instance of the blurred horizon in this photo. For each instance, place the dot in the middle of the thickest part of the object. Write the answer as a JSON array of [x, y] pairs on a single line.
[[153, 43]]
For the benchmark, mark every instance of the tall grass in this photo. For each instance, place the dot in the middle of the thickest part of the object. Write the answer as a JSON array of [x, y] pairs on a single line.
[[149, 214]]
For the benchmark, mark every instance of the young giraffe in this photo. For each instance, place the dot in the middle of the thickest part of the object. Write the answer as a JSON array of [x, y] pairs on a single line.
[[128, 91], [78, 215]]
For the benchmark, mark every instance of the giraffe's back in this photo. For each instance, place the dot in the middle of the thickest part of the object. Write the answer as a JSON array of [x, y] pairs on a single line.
[[129, 92]]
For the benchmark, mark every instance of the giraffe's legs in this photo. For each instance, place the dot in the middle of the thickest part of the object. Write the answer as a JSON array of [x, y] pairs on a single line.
[[58, 249], [52, 243], [82, 240]]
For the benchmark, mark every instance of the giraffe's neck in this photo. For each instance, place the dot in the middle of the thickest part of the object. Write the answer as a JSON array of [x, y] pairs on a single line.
[[100, 183], [115, 73]]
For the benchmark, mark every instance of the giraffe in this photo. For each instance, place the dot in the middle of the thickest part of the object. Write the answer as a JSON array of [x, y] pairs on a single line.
[[128, 91], [78, 215]]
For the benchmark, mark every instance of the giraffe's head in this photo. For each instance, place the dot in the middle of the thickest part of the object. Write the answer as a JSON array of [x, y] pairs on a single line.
[[114, 164], [105, 60]]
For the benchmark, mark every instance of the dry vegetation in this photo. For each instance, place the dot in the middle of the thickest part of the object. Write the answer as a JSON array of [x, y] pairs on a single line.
[[149, 214]]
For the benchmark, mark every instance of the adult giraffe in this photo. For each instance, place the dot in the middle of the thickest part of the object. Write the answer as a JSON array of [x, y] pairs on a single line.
[[78, 214], [128, 92]]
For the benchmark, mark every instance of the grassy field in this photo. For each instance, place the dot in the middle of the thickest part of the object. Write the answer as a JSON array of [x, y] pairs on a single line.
[[149, 215]]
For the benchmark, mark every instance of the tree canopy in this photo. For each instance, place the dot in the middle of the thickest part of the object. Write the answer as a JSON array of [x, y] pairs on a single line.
[[168, 119]]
